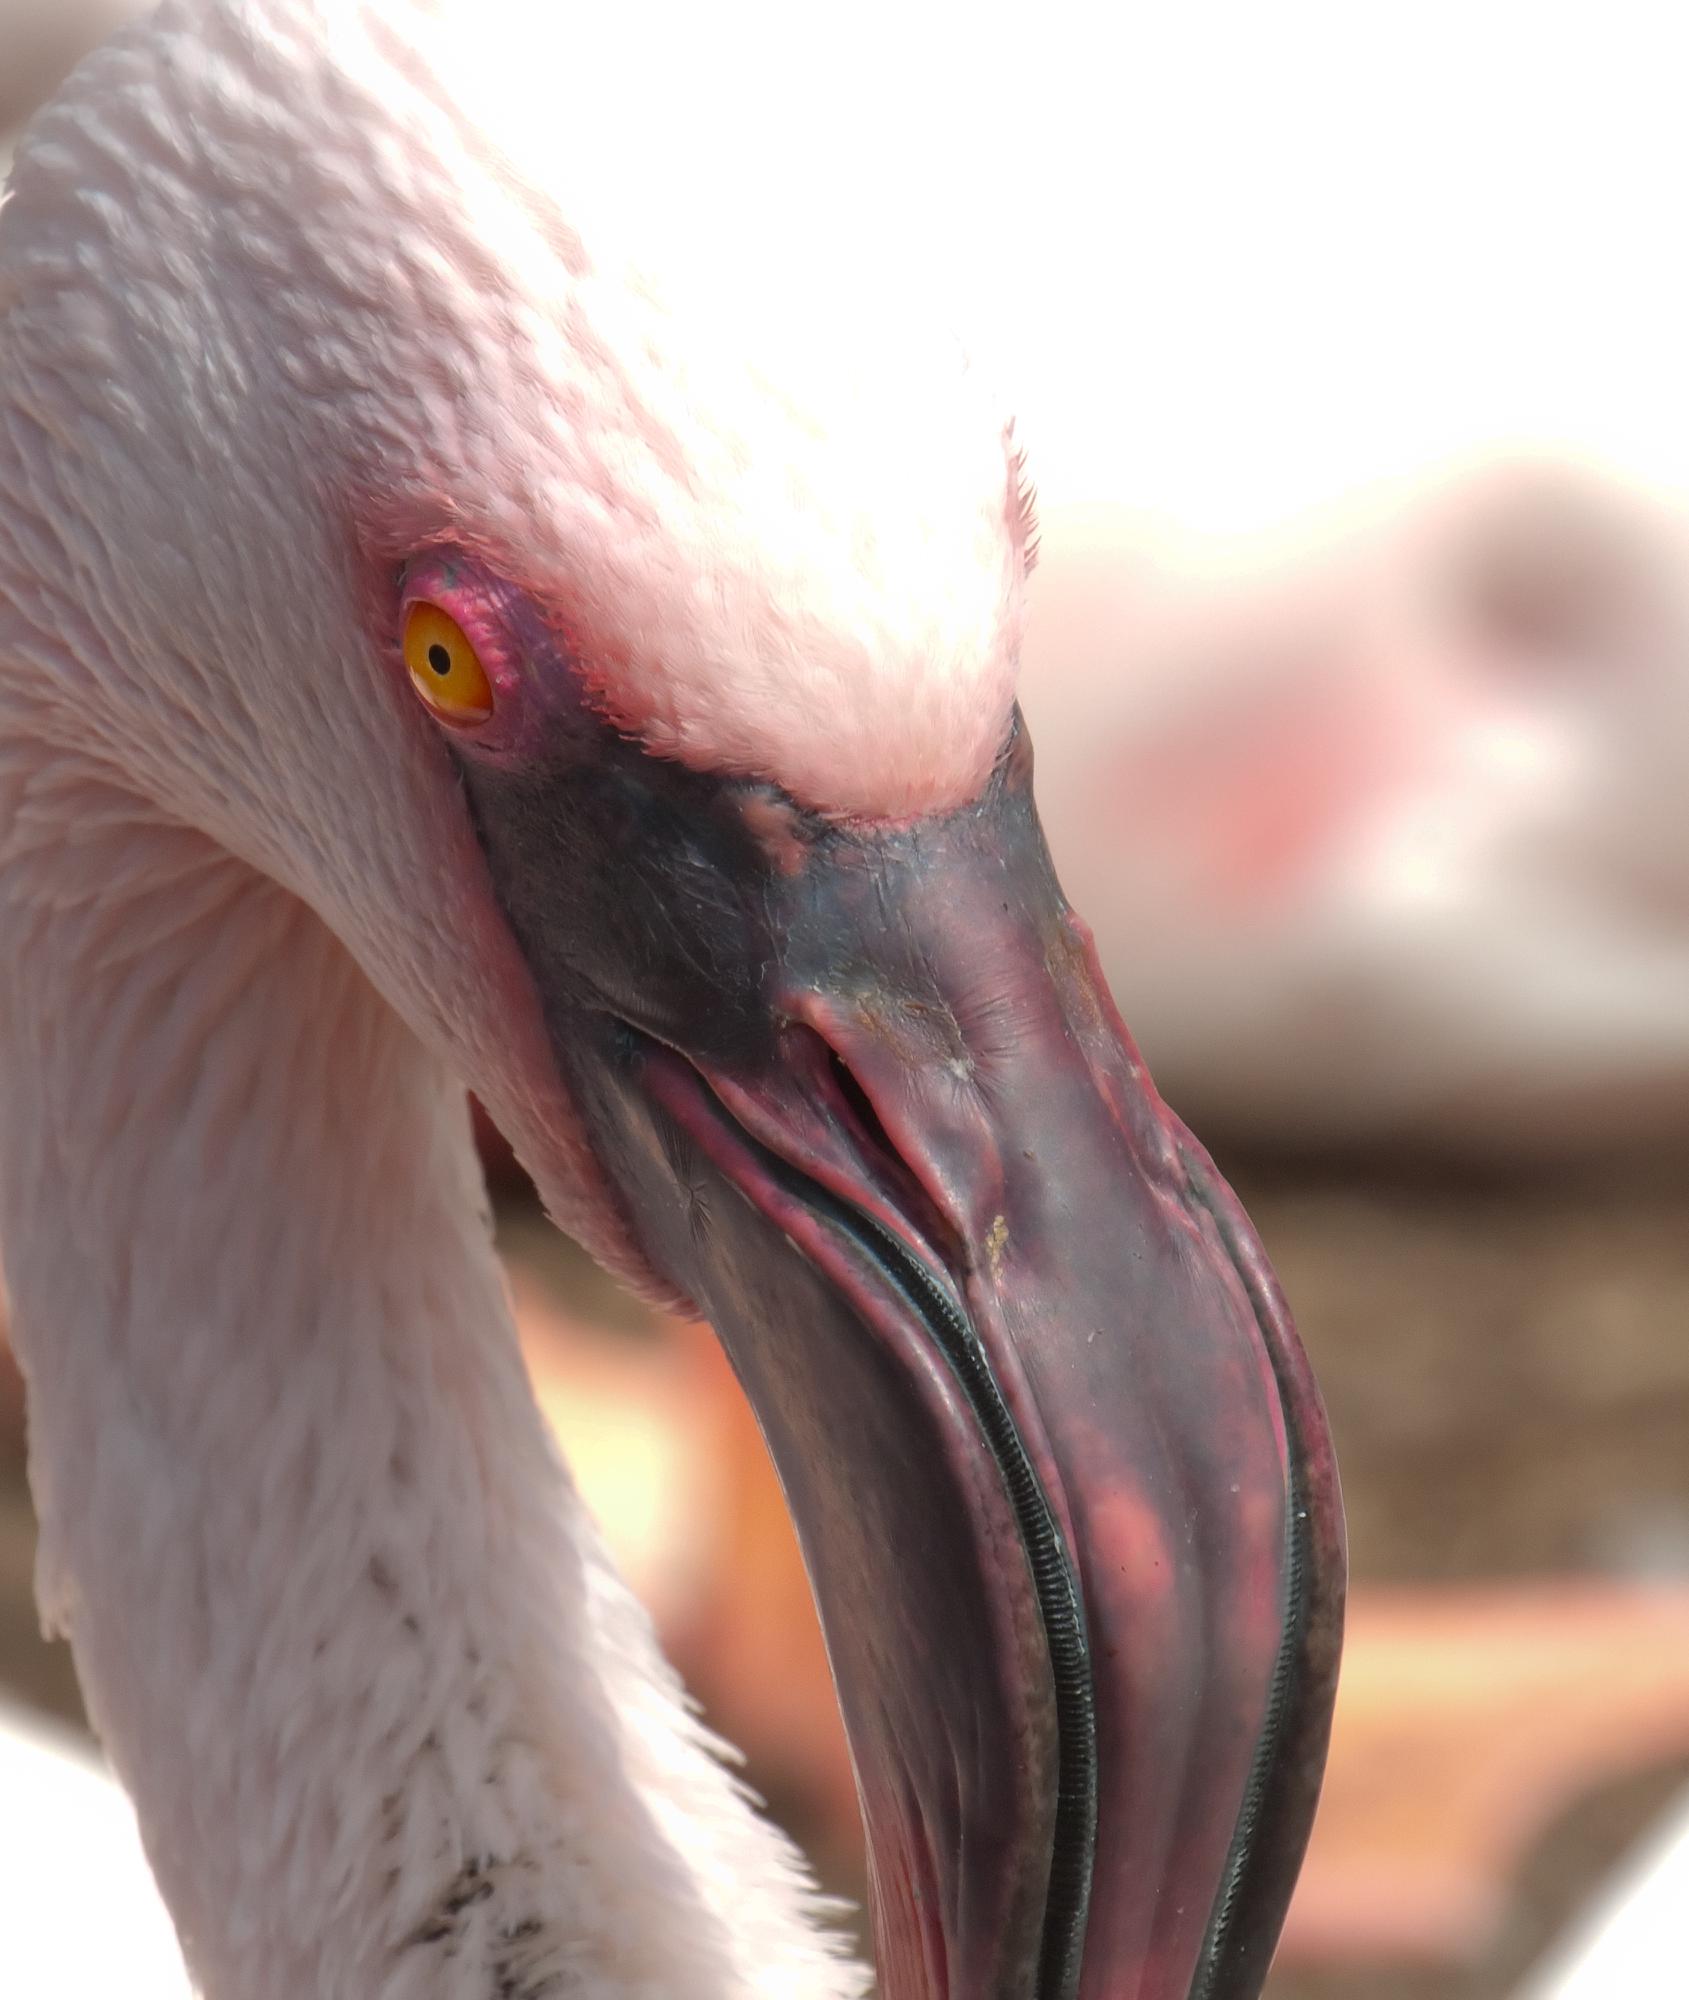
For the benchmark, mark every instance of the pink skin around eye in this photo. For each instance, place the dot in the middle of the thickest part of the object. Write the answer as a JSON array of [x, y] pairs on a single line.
[[534, 683]]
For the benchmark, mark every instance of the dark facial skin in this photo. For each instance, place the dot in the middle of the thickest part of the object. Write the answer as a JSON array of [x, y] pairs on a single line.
[[1058, 1469]]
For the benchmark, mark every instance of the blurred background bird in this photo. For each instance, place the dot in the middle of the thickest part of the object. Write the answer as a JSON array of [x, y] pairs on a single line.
[[1358, 669]]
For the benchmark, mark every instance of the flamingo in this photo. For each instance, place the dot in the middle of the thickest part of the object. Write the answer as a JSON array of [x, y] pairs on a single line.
[[1377, 846], [434, 653], [41, 44]]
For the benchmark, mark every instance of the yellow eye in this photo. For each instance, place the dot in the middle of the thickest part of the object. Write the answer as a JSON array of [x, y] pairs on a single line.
[[444, 667]]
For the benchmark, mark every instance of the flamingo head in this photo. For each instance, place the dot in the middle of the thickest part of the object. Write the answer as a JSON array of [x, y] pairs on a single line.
[[626, 674]]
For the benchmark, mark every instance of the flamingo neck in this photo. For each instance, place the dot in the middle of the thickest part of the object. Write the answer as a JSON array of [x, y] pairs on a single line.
[[392, 1724]]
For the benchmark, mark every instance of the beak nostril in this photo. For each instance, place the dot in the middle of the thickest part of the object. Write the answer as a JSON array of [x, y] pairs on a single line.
[[861, 1105], [855, 1112]]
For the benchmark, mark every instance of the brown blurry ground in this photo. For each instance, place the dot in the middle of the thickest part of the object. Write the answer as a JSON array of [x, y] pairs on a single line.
[[1507, 1368], [1506, 1365]]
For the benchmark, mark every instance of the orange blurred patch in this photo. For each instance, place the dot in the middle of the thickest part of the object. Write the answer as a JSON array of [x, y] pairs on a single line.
[[1468, 1719]]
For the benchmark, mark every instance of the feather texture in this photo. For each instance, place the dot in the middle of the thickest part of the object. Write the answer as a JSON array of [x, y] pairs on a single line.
[[289, 291]]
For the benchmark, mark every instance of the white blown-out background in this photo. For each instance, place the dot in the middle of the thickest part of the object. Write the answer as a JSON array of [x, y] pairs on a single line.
[[1231, 262]]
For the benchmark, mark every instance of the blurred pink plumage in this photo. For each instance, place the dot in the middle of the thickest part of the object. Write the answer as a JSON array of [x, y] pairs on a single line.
[[1383, 842]]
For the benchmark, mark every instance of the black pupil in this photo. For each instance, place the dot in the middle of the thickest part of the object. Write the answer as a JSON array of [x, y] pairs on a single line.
[[439, 659]]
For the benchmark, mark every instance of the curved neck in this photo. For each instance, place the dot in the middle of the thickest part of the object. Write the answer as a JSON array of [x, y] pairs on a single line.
[[391, 1723]]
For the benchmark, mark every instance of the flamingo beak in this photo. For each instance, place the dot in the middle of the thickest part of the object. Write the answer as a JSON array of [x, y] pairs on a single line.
[[1059, 1471]]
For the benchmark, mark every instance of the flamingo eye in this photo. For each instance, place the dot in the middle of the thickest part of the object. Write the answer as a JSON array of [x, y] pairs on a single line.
[[445, 669]]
